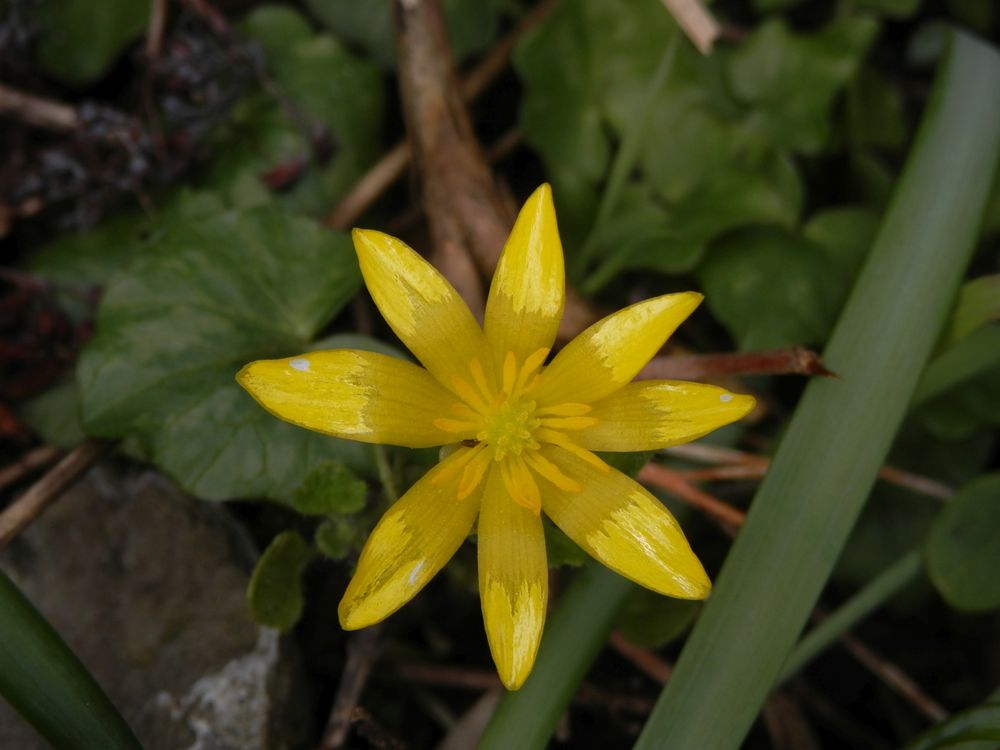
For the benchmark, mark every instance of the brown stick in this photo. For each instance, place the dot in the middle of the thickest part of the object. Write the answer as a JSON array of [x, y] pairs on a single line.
[[29, 462], [695, 21], [19, 514], [363, 650], [466, 210], [904, 685], [393, 164], [669, 481], [646, 661], [37, 110], [794, 360], [157, 26], [749, 466]]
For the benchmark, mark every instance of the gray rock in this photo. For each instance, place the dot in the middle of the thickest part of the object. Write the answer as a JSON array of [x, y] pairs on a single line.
[[147, 586]]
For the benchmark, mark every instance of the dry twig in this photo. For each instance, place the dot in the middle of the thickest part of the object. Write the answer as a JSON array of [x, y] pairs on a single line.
[[19, 514], [29, 462], [695, 21], [468, 214], [363, 649], [742, 465], [795, 360], [37, 110]]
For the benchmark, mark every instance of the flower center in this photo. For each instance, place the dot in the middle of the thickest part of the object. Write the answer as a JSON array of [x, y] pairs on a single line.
[[509, 429], [503, 426]]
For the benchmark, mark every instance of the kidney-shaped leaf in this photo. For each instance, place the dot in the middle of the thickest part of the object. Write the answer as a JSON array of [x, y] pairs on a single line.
[[173, 330], [963, 548]]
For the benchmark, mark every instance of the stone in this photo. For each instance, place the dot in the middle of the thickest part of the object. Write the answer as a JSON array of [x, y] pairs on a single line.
[[148, 587]]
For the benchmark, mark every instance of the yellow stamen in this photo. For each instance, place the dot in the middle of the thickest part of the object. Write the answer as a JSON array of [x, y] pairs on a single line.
[[568, 409], [469, 396], [557, 438], [551, 472], [521, 484], [530, 367], [450, 467], [456, 426], [509, 373], [463, 410], [479, 378], [473, 474], [569, 423]]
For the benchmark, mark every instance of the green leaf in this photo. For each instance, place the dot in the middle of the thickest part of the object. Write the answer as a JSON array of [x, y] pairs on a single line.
[[275, 591], [653, 621], [980, 722], [173, 330], [793, 79], [560, 549], [337, 538], [80, 40], [331, 489], [876, 115], [471, 25], [963, 548], [44, 681], [322, 84], [673, 239], [55, 415], [978, 304], [822, 472], [771, 288]]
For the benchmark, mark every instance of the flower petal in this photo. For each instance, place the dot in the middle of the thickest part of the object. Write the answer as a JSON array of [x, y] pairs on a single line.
[[420, 305], [528, 290], [612, 351], [352, 394], [410, 544], [513, 581], [618, 522], [653, 414]]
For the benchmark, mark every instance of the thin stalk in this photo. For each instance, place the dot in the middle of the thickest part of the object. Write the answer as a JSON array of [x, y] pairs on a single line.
[[44, 682], [842, 430], [628, 153], [887, 584]]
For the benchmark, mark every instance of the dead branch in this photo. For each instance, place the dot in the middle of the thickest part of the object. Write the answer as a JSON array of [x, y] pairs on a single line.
[[468, 215], [363, 650], [794, 360], [19, 514], [393, 164], [29, 462], [38, 111], [696, 21]]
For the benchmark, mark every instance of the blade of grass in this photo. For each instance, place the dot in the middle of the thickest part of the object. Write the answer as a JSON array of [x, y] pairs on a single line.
[[842, 430], [975, 354], [976, 728], [628, 152], [44, 681], [575, 634], [883, 587]]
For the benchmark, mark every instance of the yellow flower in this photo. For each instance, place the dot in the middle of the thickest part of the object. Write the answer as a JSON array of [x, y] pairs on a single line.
[[522, 433]]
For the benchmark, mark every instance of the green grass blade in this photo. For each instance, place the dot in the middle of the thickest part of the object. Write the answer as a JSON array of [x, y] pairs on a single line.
[[45, 682], [883, 587], [980, 722], [842, 430], [573, 637], [973, 355]]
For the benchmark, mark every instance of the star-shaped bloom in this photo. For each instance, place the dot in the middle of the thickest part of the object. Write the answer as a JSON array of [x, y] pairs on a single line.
[[521, 433]]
